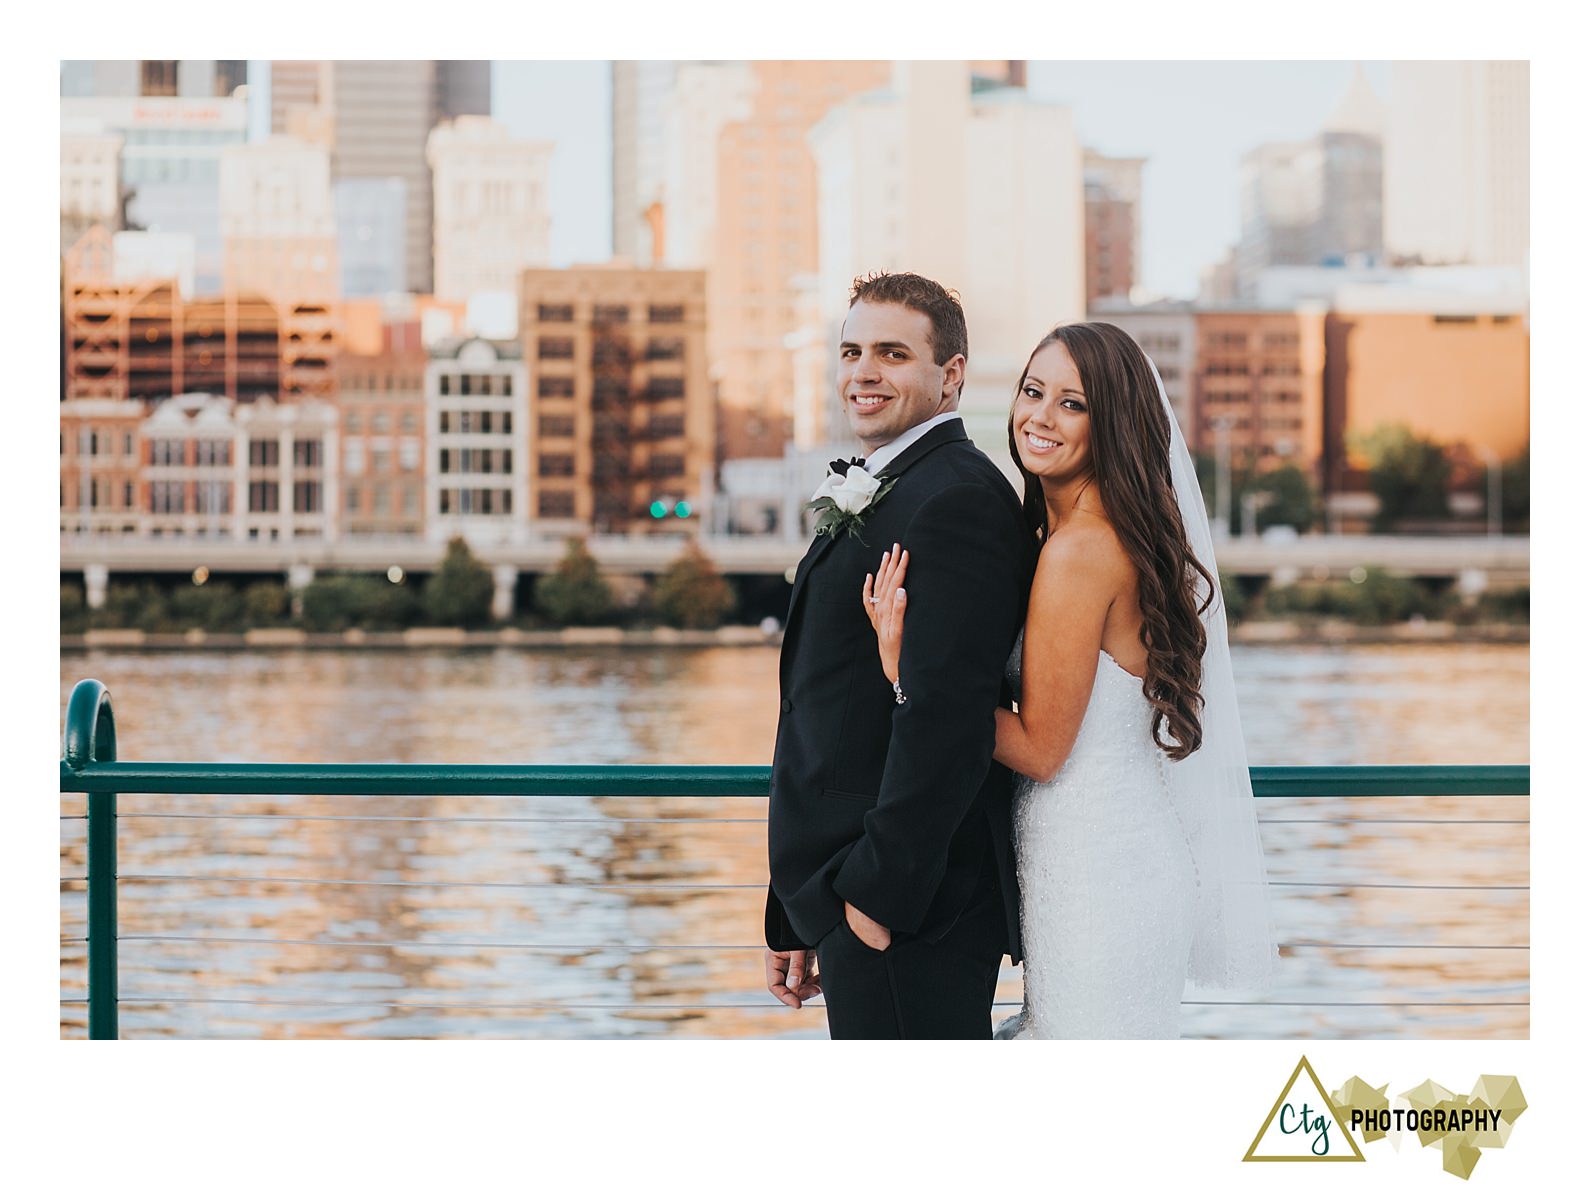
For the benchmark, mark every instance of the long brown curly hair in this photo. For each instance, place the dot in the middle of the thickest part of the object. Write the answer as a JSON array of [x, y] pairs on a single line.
[[1129, 438]]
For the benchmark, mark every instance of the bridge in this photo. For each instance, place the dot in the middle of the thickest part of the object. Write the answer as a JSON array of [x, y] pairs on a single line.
[[1482, 561]]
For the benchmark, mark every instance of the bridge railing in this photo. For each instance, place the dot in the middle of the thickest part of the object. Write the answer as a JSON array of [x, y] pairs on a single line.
[[89, 765]]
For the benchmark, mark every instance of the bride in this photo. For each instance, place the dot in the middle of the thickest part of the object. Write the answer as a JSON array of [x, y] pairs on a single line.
[[1137, 848]]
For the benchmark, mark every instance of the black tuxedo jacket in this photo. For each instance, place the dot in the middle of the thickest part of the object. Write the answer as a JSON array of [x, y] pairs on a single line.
[[894, 807]]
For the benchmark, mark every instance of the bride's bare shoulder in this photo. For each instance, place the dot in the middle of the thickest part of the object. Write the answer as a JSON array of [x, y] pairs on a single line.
[[1086, 548]]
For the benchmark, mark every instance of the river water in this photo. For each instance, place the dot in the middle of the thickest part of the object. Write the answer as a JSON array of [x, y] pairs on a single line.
[[577, 917]]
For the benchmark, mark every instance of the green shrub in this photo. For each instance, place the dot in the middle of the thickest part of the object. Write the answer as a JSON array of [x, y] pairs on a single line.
[[133, 606], [212, 606], [328, 604], [1381, 599], [74, 613], [1511, 605], [333, 603], [575, 592], [264, 603], [459, 592], [691, 593]]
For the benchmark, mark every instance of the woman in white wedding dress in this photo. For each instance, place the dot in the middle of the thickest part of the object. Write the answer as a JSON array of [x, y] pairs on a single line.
[[1137, 847]]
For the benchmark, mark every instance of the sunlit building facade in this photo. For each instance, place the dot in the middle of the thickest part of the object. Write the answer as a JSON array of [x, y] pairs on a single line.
[[623, 415]]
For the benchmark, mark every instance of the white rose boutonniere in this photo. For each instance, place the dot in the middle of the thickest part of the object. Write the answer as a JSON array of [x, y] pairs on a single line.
[[846, 497]]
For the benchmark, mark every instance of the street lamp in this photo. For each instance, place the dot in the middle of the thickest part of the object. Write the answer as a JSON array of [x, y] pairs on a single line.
[[1493, 491], [1221, 521]]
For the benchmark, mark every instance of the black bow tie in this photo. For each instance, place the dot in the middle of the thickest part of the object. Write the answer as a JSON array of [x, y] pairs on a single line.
[[839, 466]]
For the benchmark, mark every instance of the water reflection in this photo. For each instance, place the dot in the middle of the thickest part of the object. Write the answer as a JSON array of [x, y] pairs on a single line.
[[486, 917]]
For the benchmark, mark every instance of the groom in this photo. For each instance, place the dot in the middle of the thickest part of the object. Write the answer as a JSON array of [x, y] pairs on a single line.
[[889, 824]]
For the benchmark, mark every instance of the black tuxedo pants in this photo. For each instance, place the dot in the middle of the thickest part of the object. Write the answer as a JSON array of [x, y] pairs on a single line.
[[916, 988]]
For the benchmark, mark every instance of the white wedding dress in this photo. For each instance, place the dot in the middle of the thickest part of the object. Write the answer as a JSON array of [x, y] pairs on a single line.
[[1109, 883]]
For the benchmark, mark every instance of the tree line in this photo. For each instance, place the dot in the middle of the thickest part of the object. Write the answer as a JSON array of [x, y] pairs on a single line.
[[690, 594]]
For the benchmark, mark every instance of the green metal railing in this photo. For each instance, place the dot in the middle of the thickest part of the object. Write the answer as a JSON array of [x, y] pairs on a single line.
[[88, 765]]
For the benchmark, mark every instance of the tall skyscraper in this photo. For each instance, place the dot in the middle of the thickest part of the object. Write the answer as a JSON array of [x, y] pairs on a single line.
[[463, 88], [277, 220], [491, 206], [763, 240], [1457, 162], [1112, 190], [712, 172], [191, 78], [375, 116], [922, 176], [640, 97], [1310, 203]]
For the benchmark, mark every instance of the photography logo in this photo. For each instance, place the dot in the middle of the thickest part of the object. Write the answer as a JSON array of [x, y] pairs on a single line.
[[1303, 1125], [1308, 1124]]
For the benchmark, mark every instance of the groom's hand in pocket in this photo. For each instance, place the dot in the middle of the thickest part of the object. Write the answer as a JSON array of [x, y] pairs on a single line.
[[792, 976], [865, 928]]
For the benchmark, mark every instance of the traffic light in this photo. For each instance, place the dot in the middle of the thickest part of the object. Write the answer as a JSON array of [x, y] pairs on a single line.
[[664, 507]]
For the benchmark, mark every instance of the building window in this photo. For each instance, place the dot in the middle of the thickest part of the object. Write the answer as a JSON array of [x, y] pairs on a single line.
[[353, 457], [561, 465], [166, 496], [306, 496], [411, 500], [306, 454], [667, 349], [409, 453], [667, 425], [666, 314], [555, 347], [264, 454], [555, 312], [213, 452], [351, 500], [615, 314], [263, 497], [556, 426], [158, 77], [665, 389], [214, 498], [556, 504], [555, 386], [163, 452], [351, 422], [664, 466]]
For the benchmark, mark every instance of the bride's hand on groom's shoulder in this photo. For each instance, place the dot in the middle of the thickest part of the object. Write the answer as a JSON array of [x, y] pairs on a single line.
[[884, 600], [792, 976]]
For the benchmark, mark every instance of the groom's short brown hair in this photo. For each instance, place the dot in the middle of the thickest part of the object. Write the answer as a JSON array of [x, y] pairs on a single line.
[[942, 308]]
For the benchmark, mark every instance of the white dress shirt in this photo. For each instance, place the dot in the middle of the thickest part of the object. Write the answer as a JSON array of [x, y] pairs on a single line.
[[889, 451]]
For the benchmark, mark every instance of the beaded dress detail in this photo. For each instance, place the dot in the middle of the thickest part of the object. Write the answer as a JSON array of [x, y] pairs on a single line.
[[1108, 881]]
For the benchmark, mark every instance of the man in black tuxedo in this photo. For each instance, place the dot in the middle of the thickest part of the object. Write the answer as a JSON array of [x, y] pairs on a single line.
[[889, 824]]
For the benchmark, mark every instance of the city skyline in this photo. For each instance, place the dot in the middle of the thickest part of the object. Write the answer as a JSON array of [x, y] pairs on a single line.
[[1193, 146]]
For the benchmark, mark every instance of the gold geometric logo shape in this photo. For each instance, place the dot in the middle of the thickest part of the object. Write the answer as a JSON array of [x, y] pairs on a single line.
[[1303, 1125]]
